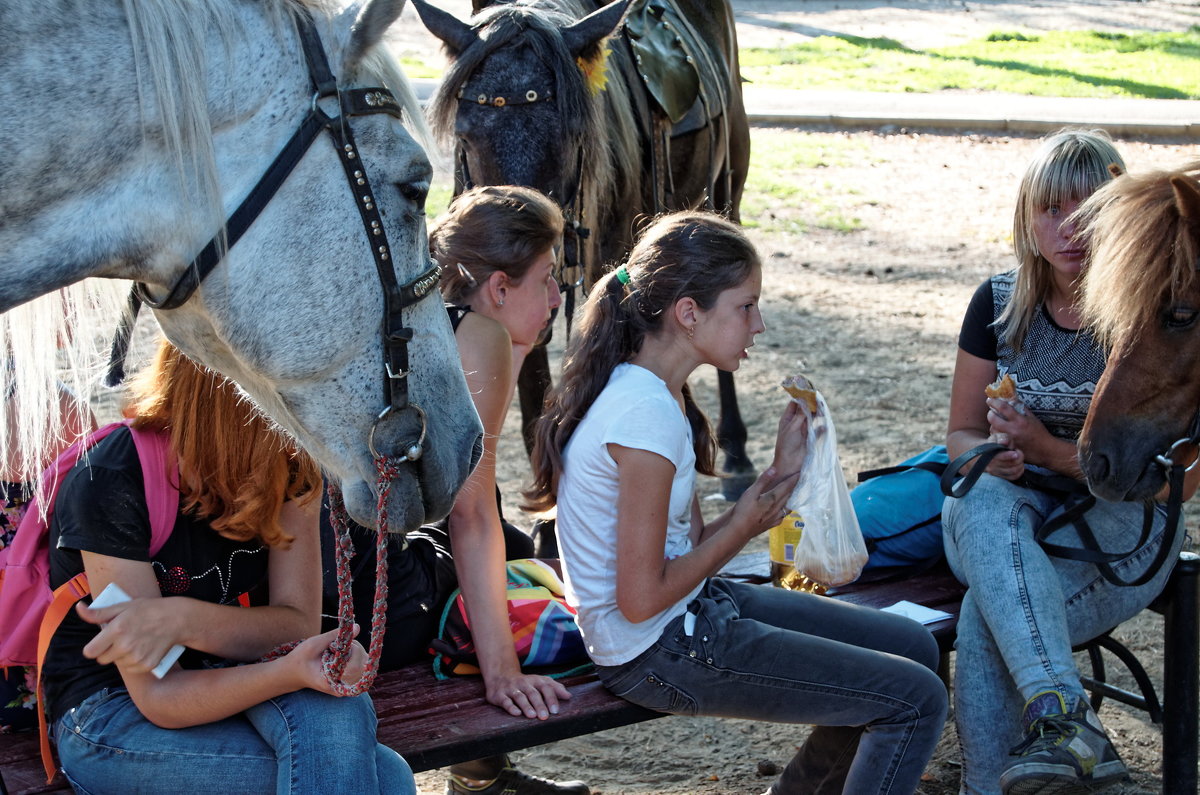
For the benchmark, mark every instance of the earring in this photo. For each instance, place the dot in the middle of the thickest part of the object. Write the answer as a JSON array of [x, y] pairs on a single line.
[[500, 302], [691, 332]]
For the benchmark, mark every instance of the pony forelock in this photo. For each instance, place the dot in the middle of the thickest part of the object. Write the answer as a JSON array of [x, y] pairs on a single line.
[[1143, 253]]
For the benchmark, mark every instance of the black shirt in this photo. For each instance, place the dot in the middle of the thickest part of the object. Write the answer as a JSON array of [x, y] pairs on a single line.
[[101, 508], [1057, 368]]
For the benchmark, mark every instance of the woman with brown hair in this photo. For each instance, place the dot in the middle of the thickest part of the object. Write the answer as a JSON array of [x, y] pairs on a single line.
[[497, 248], [247, 524]]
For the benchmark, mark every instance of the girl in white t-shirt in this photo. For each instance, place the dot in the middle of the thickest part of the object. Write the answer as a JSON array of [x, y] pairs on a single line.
[[618, 450]]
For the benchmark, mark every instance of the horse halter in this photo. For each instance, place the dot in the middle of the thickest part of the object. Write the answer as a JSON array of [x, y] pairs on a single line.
[[571, 202], [351, 102]]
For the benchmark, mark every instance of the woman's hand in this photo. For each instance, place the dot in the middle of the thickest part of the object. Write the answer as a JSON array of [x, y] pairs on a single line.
[[791, 441], [1022, 428], [1008, 465], [135, 634], [306, 661], [526, 694]]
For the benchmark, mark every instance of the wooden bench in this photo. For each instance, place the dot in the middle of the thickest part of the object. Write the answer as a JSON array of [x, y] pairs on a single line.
[[434, 724]]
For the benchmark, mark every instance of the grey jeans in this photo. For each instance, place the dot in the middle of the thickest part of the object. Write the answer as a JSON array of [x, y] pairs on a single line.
[[865, 679]]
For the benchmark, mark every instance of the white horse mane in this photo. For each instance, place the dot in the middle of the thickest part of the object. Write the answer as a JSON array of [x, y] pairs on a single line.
[[58, 344]]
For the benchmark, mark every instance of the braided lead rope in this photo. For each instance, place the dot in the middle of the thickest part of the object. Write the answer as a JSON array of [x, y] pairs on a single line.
[[335, 658]]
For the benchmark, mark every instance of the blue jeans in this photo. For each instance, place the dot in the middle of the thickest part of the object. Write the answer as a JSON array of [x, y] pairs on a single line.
[[866, 679], [300, 742], [1024, 610]]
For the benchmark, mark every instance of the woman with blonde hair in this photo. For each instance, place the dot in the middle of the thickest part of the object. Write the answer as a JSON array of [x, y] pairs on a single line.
[[247, 524], [1024, 722]]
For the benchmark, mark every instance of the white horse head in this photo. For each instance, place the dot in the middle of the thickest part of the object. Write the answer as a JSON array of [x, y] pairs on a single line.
[[140, 128]]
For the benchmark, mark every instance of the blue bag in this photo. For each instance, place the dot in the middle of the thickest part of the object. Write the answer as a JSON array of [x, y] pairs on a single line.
[[899, 511]]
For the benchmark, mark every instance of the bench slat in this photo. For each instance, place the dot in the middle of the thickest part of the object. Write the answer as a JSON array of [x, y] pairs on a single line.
[[436, 723]]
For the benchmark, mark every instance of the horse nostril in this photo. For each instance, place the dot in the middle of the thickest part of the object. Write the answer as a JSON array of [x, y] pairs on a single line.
[[476, 452], [1097, 466]]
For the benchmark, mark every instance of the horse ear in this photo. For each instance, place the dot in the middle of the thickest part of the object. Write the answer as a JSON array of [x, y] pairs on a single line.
[[1187, 198], [371, 22], [585, 34], [454, 33]]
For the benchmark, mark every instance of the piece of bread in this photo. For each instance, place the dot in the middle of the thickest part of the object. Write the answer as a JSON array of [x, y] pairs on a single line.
[[1005, 388], [801, 388]]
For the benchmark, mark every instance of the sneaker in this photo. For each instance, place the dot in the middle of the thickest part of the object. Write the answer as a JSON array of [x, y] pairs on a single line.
[[1063, 752], [513, 782]]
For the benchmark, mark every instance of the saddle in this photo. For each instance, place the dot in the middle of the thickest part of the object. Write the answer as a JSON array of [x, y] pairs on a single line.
[[684, 74]]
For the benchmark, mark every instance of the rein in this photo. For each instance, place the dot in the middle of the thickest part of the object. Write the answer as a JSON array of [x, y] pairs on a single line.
[[347, 103], [1077, 500]]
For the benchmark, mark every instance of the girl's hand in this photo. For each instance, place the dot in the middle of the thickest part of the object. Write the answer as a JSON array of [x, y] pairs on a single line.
[[1022, 428], [763, 505], [1010, 464], [135, 634], [791, 441], [526, 694], [306, 662]]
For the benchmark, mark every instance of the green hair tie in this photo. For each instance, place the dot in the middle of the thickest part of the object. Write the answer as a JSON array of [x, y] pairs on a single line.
[[623, 275]]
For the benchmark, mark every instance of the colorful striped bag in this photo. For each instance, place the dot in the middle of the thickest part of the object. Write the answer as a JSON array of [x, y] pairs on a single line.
[[543, 626]]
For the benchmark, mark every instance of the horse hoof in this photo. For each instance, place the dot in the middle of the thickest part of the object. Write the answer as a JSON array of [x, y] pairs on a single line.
[[733, 484]]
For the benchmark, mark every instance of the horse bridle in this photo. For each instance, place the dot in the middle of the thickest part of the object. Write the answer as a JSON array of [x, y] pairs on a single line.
[[571, 202], [396, 336]]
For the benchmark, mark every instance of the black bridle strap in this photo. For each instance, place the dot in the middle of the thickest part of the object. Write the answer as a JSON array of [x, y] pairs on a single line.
[[1076, 501], [352, 102]]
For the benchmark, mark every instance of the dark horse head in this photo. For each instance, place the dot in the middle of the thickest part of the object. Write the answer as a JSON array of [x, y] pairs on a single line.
[[1142, 295], [519, 108]]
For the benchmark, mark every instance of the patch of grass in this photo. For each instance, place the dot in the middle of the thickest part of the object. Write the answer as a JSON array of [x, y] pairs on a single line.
[[416, 67], [1058, 64], [781, 192]]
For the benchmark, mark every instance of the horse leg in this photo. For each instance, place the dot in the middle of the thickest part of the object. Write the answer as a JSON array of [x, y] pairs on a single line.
[[731, 435]]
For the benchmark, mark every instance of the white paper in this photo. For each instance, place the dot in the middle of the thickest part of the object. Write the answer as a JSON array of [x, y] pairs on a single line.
[[926, 615], [115, 595]]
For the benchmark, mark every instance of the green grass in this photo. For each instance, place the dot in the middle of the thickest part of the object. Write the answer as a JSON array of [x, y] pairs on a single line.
[[781, 194], [1056, 64]]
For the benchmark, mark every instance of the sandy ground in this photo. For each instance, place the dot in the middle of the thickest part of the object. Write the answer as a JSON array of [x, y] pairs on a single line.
[[871, 315]]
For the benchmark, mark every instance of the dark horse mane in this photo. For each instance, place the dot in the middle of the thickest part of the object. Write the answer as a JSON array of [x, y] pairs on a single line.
[[602, 124]]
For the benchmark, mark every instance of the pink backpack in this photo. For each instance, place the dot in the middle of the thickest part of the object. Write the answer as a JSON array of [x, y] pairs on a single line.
[[30, 611]]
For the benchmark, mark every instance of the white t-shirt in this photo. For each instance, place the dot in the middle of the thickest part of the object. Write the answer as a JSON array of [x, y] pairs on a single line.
[[635, 410]]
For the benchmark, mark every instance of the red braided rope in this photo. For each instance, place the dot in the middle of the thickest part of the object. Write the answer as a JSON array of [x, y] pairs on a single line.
[[337, 655]]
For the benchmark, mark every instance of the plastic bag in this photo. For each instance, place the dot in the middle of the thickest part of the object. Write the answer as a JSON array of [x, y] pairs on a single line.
[[831, 550]]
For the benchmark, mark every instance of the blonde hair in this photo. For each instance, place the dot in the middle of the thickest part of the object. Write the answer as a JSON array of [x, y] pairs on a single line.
[[1069, 166], [1145, 248], [235, 467]]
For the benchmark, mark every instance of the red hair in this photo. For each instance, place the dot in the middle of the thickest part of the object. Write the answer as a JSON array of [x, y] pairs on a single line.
[[236, 467]]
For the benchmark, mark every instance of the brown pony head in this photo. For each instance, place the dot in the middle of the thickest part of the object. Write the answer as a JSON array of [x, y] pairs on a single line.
[[1141, 295]]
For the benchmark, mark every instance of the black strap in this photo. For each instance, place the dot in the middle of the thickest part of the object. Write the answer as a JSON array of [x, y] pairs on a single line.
[[1076, 501], [984, 452]]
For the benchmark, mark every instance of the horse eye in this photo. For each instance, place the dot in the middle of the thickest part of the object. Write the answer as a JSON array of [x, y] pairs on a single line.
[[415, 192], [1180, 317]]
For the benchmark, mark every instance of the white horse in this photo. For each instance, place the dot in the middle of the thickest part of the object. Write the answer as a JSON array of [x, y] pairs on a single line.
[[132, 132]]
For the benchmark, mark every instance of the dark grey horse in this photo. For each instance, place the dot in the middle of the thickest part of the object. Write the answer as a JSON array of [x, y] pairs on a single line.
[[542, 93]]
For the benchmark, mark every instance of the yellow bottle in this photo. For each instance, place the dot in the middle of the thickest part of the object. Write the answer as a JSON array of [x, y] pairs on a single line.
[[783, 539]]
